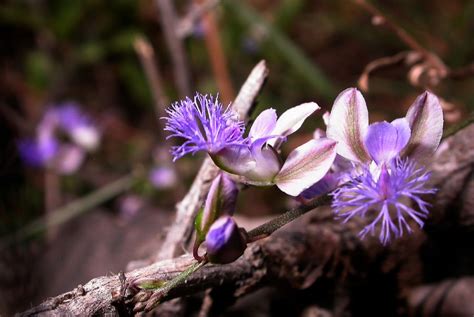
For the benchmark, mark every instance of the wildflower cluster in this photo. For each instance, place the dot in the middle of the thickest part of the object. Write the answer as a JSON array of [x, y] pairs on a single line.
[[205, 125], [62, 138], [371, 170]]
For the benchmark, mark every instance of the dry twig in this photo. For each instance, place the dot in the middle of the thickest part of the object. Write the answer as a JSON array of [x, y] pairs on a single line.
[[314, 247], [169, 22]]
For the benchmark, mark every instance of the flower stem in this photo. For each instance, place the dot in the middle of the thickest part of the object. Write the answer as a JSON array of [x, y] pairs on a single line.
[[454, 129], [73, 209], [269, 227], [176, 281], [258, 233]]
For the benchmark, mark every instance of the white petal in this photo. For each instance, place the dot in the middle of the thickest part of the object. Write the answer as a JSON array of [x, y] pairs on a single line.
[[69, 159], [326, 116], [292, 119], [348, 123], [425, 117], [263, 124], [306, 165], [86, 136]]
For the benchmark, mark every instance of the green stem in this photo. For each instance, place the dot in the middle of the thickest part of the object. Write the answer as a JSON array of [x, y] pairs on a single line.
[[454, 129], [176, 281], [73, 209], [259, 232], [289, 51], [271, 226]]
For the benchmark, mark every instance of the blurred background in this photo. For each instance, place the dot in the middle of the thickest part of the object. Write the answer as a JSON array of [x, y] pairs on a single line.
[[83, 83]]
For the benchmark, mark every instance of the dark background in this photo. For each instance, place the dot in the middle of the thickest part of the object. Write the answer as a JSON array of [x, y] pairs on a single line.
[[52, 51]]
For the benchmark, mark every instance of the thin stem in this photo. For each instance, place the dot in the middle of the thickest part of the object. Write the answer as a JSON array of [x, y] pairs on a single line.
[[217, 56], [404, 36], [147, 58], [52, 197], [175, 46], [284, 46], [259, 232], [176, 281], [72, 210], [271, 226], [400, 32], [454, 129]]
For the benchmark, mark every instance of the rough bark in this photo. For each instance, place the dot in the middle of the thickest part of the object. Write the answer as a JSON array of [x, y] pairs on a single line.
[[315, 247]]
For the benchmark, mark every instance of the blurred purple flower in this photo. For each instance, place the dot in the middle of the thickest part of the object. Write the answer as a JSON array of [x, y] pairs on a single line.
[[46, 149], [37, 154], [78, 125], [130, 206], [388, 161], [205, 126], [163, 177]]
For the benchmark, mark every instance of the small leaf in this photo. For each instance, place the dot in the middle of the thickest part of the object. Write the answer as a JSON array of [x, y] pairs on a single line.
[[306, 165]]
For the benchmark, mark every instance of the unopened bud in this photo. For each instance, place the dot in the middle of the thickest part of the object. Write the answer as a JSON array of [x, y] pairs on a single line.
[[220, 200], [225, 241]]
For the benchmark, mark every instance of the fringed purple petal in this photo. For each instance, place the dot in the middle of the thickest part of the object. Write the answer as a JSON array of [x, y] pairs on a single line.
[[385, 196], [204, 125]]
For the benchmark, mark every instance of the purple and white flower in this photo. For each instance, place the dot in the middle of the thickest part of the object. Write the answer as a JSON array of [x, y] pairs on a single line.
[[46, 149], [387, 161], [206, 126]]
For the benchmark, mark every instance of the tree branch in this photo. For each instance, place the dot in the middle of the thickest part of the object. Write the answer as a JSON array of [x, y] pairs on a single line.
[[315, 245]]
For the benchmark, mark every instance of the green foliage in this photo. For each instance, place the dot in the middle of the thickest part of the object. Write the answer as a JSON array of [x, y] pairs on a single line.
[[38, 67]]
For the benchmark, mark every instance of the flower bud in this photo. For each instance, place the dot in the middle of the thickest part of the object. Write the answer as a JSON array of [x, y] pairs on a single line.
[[220, 200], [225, 241]]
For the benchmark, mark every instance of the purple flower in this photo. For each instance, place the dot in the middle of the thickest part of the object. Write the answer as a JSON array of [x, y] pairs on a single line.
[[385, 195], [78, 125], [163, 177], [37, 154], [225, 241], [205, 126], [46, 149], [387, 158]]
